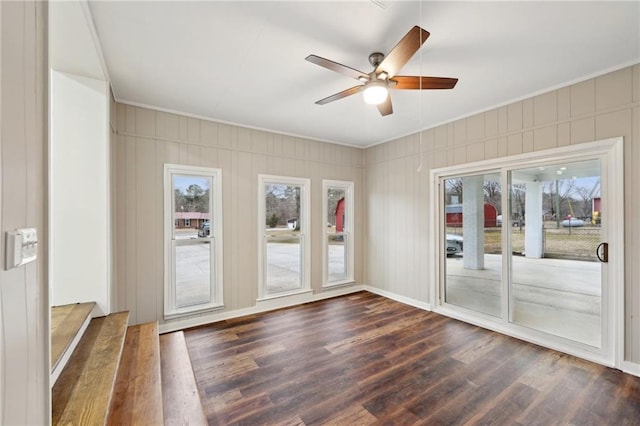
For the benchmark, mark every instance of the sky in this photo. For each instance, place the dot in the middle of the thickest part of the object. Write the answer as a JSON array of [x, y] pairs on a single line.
[[182, 182]]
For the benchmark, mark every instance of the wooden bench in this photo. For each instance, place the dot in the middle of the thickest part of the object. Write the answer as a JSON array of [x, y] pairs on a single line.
[[82, 393], [182, 404], [137, 396]]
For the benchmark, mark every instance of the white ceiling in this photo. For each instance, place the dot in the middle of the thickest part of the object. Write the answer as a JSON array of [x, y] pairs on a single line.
[[243, 62], [72, 44]]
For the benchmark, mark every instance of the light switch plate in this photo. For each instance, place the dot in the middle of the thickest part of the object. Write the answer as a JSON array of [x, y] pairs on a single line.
[[21, 247]]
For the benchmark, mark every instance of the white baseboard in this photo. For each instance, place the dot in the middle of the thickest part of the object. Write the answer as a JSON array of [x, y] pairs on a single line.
[[631, 368], [398, 298], [260, 306]]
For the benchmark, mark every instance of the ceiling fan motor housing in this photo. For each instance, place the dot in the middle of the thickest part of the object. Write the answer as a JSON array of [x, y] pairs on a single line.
[[375, 59]]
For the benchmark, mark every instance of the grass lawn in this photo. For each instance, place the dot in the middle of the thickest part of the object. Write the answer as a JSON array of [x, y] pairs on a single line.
[[578, 243]]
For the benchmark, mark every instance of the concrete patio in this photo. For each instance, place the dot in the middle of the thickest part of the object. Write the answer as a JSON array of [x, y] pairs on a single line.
[[561, 297]]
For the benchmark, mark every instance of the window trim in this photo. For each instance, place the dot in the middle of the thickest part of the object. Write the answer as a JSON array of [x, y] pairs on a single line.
[[305, 234], [348, 187], [215, 237]]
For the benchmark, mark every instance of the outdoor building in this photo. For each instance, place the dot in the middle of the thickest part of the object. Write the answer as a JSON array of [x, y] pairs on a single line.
[[192, 220], [455, 219], [339, 214]]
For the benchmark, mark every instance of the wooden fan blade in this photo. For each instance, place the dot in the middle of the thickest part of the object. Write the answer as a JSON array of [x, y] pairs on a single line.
[[403, 51], [339, 68], [340, 95], [413, 82], [386, 108]]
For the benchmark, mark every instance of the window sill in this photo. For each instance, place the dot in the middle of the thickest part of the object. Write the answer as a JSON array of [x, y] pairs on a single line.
[[284, 294], [186, 313], [338, 283]]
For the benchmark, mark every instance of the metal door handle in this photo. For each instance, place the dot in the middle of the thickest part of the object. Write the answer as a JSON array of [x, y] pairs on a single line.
[[602, 252]]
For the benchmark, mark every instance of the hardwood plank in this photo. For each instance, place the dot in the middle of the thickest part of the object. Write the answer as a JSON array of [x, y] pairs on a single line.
[[66, 322], [137, 396], [82, 394], [365, 359], [181, 400], [121, 403]]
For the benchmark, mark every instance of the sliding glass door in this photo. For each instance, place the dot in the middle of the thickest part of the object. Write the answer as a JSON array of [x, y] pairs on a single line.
[[473, 242], [556, 225], [524, 247]]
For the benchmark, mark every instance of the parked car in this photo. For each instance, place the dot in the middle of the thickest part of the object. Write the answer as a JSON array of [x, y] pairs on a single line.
[[205, 230], [454, 244]]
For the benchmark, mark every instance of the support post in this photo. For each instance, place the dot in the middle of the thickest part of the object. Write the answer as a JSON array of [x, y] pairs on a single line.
[[533, 231], [473, 222]]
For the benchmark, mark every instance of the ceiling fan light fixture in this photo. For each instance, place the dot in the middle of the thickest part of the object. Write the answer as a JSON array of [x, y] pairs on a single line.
[[375, 92]]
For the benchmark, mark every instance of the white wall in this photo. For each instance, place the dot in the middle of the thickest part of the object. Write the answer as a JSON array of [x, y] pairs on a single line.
[[24, 319], [79, 191]]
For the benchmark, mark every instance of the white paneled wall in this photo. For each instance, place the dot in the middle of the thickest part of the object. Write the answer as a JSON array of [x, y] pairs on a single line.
[[24, 322], [78, 191], [397, 197], [146, 139]]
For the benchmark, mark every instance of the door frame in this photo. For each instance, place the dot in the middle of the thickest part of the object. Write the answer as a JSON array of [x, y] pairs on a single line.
[[613, 272]]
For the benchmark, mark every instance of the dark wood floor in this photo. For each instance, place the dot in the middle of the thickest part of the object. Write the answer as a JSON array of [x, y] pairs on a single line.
[[364, 359]]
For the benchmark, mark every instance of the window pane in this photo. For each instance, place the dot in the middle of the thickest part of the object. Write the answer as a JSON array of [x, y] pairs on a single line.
[[473, 243], [555, 274], [282, 207], [191, 206], [336, 207], [193, 274], [337, 256], [284, 257]]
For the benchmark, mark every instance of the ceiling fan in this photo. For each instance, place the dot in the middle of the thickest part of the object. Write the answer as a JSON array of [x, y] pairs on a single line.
[[377, 83]]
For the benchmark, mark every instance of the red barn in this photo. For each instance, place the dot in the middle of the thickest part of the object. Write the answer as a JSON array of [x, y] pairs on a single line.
[[340, 215], [595, 205], [454, 215]]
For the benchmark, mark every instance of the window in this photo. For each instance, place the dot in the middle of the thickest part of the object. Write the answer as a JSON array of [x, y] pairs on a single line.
[[283, 226], [193, 258], [337, 201], [473, 241]]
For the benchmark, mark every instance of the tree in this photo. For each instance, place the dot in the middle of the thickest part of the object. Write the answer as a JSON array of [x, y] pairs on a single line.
[[453, 190], [179, 200], [584, 201], [493, 194], [283, 201], [272, 221], [192, 199], [518, 194]]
